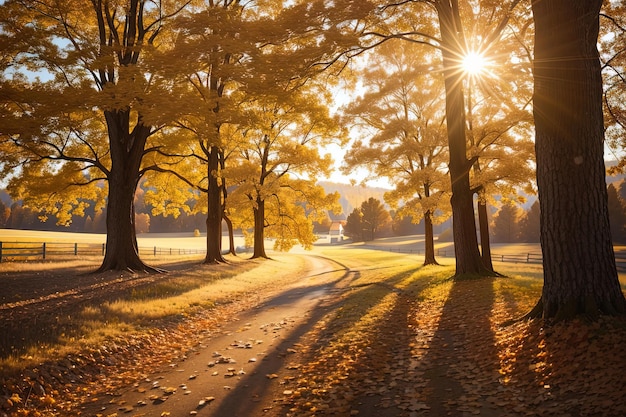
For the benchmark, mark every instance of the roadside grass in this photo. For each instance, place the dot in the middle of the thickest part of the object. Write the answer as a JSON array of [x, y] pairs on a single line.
[[363, 331], [167, 301], [84, 264], [81, 265], [408, 338], [383, 335]]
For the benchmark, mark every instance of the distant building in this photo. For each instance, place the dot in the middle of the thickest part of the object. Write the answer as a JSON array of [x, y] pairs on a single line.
[[336, 232]]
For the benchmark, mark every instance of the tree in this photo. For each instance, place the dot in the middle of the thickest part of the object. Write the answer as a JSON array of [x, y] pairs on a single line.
[[282, 140], [452, 16], [403, 111], [617, 214], [499, 129], [214, 44], [612, 40], [374, 218], [404, 226], [232, 54], [467, 255], [98, 102], [354, 225], [5, 213], [529, 224], [142, 222], [505, 224], [580, 274]]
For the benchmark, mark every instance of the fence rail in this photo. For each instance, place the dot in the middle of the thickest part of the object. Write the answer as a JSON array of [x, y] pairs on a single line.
[[528, 258], [13, 251]]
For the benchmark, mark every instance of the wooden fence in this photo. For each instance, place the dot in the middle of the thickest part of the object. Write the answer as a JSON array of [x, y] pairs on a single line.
[[527, 258], [13, 251]]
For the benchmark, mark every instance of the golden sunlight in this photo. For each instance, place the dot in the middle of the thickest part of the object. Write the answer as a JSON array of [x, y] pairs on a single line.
[[474, 63]]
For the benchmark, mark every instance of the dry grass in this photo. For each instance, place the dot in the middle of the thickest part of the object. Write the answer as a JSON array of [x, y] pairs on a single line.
[[166, 298]]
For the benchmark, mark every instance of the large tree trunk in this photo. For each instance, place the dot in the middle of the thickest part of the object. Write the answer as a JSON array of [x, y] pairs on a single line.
[[483, 224], [468, 259], [259, 229], [429, 242], [579, 264], [126, 155], [215, 210]]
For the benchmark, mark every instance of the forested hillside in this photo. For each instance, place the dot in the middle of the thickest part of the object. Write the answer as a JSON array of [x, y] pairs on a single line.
[[353, 195], [14, 216]]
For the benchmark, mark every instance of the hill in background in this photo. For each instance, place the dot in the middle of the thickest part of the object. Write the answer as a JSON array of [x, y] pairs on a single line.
[[352, 196]]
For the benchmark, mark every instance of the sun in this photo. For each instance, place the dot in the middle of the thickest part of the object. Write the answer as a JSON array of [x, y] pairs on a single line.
[[474, 64]]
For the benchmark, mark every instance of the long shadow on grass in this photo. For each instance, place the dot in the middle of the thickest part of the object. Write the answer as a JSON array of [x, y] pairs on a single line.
[[570, 368], [461, 366], [384, 380], [323, 328], [44, 322]]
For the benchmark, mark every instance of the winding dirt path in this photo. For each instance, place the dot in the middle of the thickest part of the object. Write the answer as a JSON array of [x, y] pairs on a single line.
[[235, 371]]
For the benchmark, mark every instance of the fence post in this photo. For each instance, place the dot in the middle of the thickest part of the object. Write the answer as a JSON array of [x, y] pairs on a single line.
[[75, 249], [0, 251], [103, 249], [155, 251], [43, 250]]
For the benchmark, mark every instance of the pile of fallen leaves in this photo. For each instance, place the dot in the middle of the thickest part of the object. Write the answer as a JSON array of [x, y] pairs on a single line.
[[411, 348], [442, 351], [574, 368], [59, 387]]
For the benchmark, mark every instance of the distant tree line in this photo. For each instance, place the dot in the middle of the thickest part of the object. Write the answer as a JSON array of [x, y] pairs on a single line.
[[13, 215], [511, 224]]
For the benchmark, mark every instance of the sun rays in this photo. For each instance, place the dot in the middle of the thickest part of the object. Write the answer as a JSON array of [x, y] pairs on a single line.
[[475, 64]]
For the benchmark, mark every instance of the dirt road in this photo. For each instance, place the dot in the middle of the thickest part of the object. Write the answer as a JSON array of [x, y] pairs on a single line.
[[234, 371]]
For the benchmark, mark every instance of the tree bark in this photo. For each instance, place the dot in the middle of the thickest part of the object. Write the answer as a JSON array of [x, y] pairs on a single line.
[[485, 244], [231, 236], [259, 229], [429, 244], [229, 223], [126, 154], [468, 259], [214, 210], [580, 275]]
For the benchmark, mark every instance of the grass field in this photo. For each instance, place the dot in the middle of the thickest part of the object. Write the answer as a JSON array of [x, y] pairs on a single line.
[[173, 240], [378, 295], [188, 241]]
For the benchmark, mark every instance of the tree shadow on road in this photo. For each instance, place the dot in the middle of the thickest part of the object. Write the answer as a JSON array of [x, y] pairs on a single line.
[[356, 352], [322, 351]]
